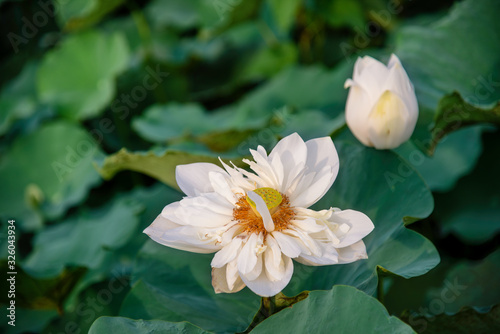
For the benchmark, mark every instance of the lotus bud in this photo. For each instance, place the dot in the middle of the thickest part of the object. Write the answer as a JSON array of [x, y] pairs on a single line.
[[381, 109]]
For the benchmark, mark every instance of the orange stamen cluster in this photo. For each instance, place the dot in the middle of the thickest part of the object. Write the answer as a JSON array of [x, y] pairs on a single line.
[[250, 222]]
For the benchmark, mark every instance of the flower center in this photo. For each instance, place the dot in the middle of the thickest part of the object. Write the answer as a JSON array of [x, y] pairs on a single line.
[[250, 221], [271, 197]]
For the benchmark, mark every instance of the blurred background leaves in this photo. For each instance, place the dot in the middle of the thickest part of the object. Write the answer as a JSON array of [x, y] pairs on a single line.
[[100, 100]]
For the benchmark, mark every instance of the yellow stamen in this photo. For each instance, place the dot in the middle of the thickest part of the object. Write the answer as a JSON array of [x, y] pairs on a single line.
[[251, 222], [271, 197]]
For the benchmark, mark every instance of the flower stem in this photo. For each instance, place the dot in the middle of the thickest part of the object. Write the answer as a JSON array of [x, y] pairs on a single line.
[[269, 304], [272, 305]]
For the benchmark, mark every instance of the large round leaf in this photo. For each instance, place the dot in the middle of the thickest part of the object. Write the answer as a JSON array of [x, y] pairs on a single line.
[[173, 285], [456, 53], [46, 172], [472, 284], [116, 237], [454, 157], [159, 164], [311, 87], [471, 211], [161, 123], [69, 243], [468, 320], [80, 14], [465, 300], [185, 14], [340, 310], [129, 326], [17, 98], [454, 113], [78, 77]]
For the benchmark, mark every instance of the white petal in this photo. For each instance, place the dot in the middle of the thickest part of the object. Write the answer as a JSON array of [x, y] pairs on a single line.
[[265, 175], [371, 74], [275, 266], [186, 238], [237, 178], [262, 151], [354, 252], [233, 276], [263, 168], [279, 170], [387, 121], [292, 151], [184, 213], [321, 152], [264, 287], [309, 245], [300, 179], [322, 169], [229, 234], [349, 83], [222, 281], [255, 179], [394, 60], [288, 245], [193, 178], [220, 185], [263, 211], [308, 225], [247, 260], [310, 191], [210, 201], [399, 82], [358, 107], [360, 226], [362, 64], [328, 256], [273, 248], [304, 213], [227, 254], [257, 270], [159, 226]]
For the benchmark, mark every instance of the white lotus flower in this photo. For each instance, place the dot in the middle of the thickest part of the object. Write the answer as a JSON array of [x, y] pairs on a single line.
[[381, 108], [258, 222]]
